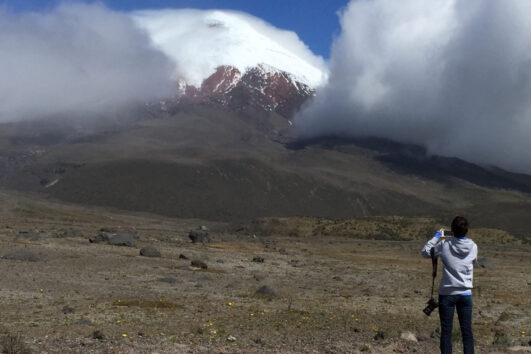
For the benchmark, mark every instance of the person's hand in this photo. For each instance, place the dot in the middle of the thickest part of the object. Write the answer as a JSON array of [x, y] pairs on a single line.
[[438, 234]]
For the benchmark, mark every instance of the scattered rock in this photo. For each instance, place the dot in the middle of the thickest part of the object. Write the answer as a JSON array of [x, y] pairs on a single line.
[[422, 338], [70, 232], [150, 251], [436, 334], [337, 278], [380, 335], [199, 236], [168, 280], [409, 336], [198, 264], [23, 255], [101, 237], [220, 261], [231, 338], [113, 239], [182, 256], [266, 291], [203, 228], [67, 310], [483, 263], [29, 235], [258, 259], [98, 335], [501, 339], [519, 348], [121, 240], [258, 277]]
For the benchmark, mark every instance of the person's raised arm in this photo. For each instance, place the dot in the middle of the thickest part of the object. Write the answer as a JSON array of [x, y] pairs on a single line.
[[431, 244]]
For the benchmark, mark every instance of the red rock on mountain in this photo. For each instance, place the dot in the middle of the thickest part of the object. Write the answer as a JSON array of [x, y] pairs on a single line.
[[261, 87]]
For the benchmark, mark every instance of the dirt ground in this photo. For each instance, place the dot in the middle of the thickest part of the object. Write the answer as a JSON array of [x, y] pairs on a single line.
[[333, 294]]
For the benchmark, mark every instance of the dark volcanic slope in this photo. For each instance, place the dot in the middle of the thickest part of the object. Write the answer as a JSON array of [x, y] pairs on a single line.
[[219, 189], [208, 162]]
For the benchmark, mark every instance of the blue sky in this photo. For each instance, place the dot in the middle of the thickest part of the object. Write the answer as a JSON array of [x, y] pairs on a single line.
[[315, 21]]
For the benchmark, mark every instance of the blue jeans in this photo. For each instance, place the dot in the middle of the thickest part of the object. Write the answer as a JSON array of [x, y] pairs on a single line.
[[463, 303]]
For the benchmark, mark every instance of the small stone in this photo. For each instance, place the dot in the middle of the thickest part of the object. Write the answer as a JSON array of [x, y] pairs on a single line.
[[483, 263], [150, 251], [266, 291], [29, 235], [67, 310], [203, 228], [408, 336], [380, 336], [220, 261], [501, 339], [258, 259], [436, 334], [198, 264], [337, 278], [182, 256], [168, 280], [98, 335], [101, 237], [231, 338], [23, 255], [69, 232]]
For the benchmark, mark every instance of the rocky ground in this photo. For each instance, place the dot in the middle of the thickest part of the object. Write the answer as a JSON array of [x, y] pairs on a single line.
[[251, 288]]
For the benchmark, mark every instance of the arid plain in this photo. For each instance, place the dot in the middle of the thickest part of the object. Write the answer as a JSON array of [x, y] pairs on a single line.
[[337, 286]]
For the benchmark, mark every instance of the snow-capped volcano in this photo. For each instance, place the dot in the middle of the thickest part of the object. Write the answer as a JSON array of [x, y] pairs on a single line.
[[202, 41]]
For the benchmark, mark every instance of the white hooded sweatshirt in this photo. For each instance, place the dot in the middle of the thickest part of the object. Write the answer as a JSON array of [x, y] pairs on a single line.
[[458, 255]]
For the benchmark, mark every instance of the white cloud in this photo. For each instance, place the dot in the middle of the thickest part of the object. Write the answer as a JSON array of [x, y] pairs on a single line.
[[74, 58], [201, 40], [453, 76]]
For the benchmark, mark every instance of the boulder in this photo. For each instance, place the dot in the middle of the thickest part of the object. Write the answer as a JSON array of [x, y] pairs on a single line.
[[150, 251], [199, 236], [23, 255], [121, 240]]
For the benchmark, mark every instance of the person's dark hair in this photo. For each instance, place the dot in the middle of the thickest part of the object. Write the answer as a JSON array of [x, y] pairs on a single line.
[[459, 226]]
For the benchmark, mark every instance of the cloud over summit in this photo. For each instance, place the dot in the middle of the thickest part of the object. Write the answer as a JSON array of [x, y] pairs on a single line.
[[77, 57], [453, 76]]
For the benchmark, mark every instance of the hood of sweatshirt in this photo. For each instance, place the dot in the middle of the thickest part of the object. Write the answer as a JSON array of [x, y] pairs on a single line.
[[460, 247]]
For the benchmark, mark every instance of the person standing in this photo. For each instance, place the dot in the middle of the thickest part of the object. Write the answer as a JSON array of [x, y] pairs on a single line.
[[455, 289]]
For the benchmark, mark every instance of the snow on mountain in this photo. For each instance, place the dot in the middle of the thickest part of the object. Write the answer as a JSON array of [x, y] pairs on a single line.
[[200, 41]]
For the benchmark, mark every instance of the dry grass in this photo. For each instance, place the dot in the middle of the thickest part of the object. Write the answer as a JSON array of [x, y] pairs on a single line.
[[145, 303], [13, 344]]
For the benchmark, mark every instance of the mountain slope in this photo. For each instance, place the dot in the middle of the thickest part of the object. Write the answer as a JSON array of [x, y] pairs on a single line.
[[210, 162]]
